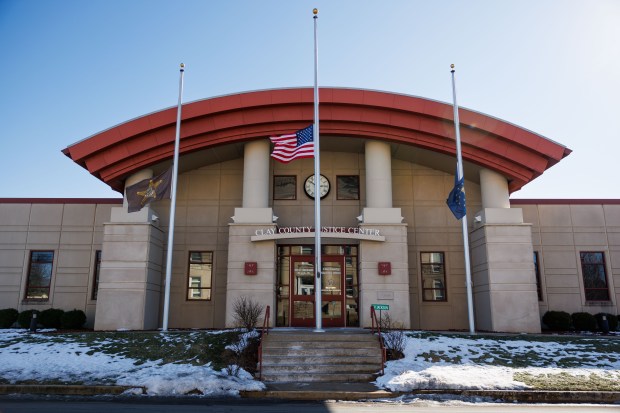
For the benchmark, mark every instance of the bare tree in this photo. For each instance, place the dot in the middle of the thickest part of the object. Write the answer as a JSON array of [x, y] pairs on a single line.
[[247, 312]]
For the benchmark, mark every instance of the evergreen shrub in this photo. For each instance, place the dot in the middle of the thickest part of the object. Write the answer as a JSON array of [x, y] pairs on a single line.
[[73, 319], [25, 316], [584, 321], [557, 320], [8, 317], [50, 318]]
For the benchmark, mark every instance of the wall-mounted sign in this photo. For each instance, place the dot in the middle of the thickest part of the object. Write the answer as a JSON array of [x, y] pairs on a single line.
[[250, 268], [371, 234], [381, 307], [385, 268]]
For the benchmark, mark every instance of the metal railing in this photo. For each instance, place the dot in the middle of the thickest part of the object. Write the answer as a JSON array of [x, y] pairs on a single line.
[[264, 332], [375, 322]]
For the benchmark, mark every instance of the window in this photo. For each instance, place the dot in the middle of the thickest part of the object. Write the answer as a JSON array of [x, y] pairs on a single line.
[[433, 276], [594, 276], [537, 272], [348, 187], [284, 187], [39, 275], [199, 275], [96, 274]]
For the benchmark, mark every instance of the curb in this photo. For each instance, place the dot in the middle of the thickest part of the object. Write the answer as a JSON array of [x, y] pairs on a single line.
[[67, 390], [534, 396], [317, 395], [522, 396]]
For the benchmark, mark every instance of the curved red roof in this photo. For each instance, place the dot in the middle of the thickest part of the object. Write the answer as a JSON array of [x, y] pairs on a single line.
[[514, 152]]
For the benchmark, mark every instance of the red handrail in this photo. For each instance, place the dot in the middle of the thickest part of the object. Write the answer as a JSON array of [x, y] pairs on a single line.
[[373, 317], [264, 332]]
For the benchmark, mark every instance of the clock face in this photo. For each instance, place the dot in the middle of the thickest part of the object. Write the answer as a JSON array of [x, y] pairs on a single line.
[[324, 186]]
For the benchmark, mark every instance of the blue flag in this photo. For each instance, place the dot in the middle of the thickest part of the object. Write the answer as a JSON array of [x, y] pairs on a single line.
[[456, 198]]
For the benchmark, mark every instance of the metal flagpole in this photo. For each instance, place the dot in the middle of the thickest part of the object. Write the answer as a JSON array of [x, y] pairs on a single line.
[[317, 196], [459, 160], [173, 203]]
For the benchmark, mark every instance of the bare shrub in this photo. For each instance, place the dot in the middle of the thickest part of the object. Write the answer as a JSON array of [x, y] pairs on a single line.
[[394, 337], [247, 312]]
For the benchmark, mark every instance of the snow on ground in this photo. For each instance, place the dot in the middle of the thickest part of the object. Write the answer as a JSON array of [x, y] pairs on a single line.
[[467, 363], [74, 361], [432, 361]]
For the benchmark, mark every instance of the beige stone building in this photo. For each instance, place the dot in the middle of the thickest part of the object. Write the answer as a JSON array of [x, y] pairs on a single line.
[[245, 222]]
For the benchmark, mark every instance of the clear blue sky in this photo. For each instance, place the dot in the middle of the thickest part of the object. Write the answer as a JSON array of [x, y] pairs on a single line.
[[71, 68]]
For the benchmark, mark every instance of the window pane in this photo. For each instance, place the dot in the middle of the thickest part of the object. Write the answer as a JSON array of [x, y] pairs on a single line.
[[39, 275], [594, 276], [537, 273], [433, 276], [96, 274], [285, 187], [199, 275], [348, 187]]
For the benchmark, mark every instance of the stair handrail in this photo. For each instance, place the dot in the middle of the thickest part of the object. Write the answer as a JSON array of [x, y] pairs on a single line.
[[264, 332], [373, 317]]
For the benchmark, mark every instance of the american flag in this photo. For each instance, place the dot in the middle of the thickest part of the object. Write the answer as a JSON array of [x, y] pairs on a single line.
[[294, 146]]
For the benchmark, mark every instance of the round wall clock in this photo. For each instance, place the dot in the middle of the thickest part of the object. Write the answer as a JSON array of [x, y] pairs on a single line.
[[324, 186]]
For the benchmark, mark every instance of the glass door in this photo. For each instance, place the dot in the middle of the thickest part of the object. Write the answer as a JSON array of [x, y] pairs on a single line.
[[302, 294], [332, 297]]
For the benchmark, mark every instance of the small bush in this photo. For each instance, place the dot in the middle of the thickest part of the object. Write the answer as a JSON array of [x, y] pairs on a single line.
[[584, 322], [247, 312], [50, 318], [8, 317], [612, 321], [73, 319], [394, 338], [23, 319], [557, 320]]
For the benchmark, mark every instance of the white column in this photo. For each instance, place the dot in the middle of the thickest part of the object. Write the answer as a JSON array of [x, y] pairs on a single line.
[[378, 175], [494, 189], [256, 174]]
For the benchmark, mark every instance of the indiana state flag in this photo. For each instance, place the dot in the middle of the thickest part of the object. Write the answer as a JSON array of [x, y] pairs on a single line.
[[456, 198]]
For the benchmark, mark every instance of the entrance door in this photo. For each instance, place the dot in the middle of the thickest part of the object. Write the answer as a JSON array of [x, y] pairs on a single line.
[[332, 292]]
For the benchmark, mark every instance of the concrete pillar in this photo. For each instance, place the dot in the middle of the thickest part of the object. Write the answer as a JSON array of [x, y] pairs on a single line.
[[378, 175], [504, 281], [261, 288], [256, 174], [392, 289], [254, 214], [494, 189], [502, 259], [131, 272]]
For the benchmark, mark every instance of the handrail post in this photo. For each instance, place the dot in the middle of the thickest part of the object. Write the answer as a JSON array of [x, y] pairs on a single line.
[[264, 332], [373, 317]]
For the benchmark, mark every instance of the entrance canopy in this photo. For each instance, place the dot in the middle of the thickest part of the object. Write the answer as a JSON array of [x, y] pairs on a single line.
[[118, 152]]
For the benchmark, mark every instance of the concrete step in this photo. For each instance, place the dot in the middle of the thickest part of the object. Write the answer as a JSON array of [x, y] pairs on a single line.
[[318, 337], [308, 378], [328, 352], [321, 368], [320, 344], [309, 360]]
